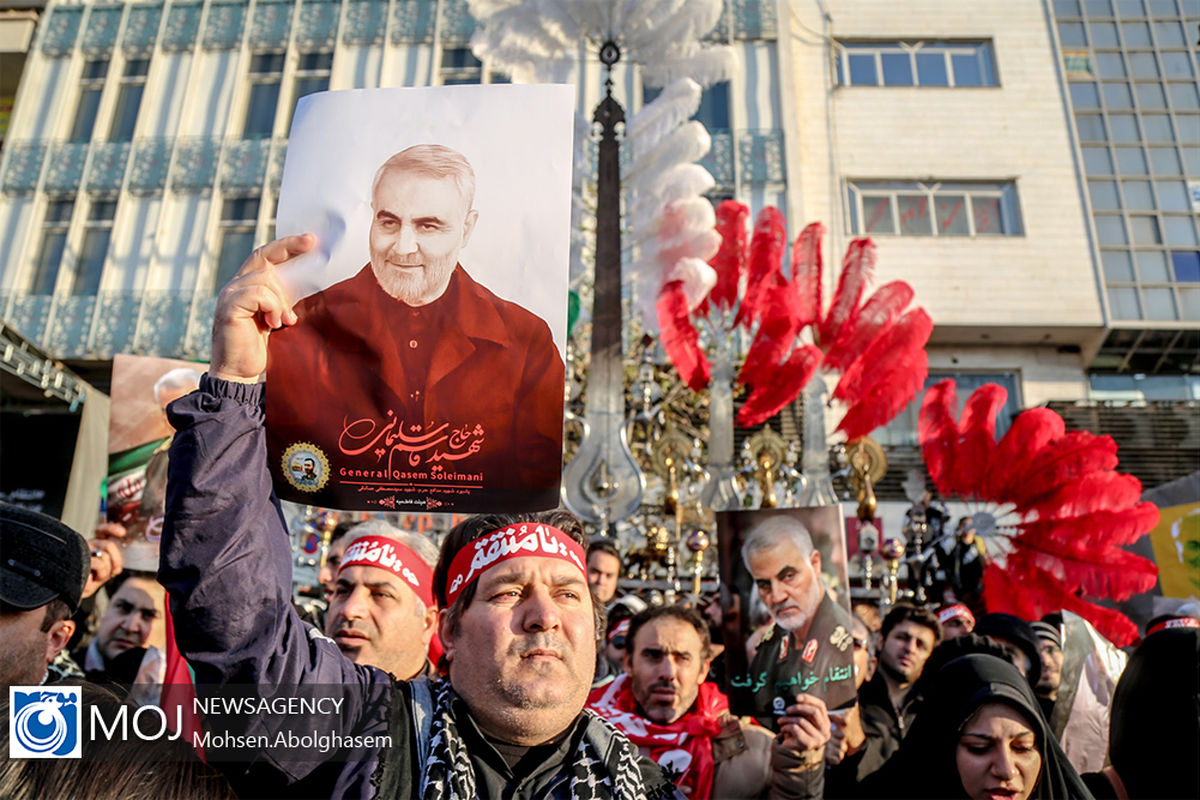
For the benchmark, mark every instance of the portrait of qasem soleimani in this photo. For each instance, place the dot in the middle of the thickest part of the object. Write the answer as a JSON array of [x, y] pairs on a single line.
[[418, 384]]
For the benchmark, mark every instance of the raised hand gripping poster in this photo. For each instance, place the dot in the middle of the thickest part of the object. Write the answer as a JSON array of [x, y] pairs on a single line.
[[425, 372], [792, 635]]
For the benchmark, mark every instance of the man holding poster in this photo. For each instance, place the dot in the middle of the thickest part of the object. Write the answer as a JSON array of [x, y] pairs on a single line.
[[410, 385]]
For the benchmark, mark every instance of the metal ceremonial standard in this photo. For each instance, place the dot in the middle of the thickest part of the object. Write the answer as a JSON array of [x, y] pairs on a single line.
[[603, 483]]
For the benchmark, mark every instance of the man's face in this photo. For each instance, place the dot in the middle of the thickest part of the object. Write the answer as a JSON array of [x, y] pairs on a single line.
[[333, 559], [1052, 664], [419, 226], [133, 616], [956, 627], [789, 583], [864, 663], [603, 571], [524, 651], [376, 619], [905, 650], [27, 649], [310, 467], [666, 667]]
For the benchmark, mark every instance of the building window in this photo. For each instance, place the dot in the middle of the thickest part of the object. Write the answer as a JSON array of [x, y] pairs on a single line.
[[913, 208], [713, 112], [266, 75], [129, 100], [915, 63], [312, 76], [97, 234], [459, 65], [902, 430], [54, 242], [91, 86], [239, 220]]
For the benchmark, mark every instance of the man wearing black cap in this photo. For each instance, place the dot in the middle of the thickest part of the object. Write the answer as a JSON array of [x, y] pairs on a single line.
[[43, 570], [1049, 637]]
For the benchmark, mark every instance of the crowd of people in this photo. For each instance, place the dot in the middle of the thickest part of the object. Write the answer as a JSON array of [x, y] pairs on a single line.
[[506, 663]]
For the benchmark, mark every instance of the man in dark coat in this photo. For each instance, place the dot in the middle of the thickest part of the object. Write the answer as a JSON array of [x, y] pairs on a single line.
[[412, 381]]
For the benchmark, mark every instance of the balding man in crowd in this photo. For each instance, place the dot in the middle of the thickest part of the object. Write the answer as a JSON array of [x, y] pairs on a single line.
[[519, 625]]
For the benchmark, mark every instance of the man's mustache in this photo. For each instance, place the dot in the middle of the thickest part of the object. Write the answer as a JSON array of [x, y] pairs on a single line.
[[539, 642]]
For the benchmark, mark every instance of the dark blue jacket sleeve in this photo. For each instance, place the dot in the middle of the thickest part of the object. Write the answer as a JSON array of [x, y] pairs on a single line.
[[226, 564]]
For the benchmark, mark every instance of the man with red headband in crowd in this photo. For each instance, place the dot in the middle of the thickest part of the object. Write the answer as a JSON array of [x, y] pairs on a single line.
[[956, 620], [381, 610], [665, 706], [517, 620]]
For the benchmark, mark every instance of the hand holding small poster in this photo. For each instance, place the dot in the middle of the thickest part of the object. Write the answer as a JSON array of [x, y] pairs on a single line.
[[426, 371], [791, 564]]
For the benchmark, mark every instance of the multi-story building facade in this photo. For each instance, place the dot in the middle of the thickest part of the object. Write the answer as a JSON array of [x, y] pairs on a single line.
[[975, 145]]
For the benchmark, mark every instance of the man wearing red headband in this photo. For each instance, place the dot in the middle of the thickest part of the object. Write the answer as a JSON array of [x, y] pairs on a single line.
[[519, 625], [381, 610]]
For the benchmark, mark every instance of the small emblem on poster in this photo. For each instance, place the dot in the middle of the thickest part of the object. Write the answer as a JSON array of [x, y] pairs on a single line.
[[305, 466]]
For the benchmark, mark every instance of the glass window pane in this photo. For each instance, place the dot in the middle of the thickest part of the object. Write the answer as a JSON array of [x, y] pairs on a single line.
[[1131, 160], [1096, 161], [1116, 95], [1110, 65], [95, 70], [1176, 65], [713, 112], [1117, 267], [1173, 196], [1189, 127], [988, 215], [1104, 34], [862, 69], [877, 211], [1152, 266], [1169, 34], [234, 247], [1158, 128], [1104, 195], [129, 100], [1181, 231], [969, 70], [952, 215], [1091, 128], [312, 62], [1143, 65], [1159, 303], [49, 258], [1098, 8], [85, 116], [1184, 95], [1071, 34], [1138, 195], [1150, 95], [1084, 96], [1137, 34], [91, 262], [1066, 8], [1124, 128], [260, 111], [897, 69], [1145, 230], [931, 69], [1130, 8], [59, 211], [311, 85], [914, 215], [1189, 302], [1124, 303], [1166, 8], [1165, 161], [1186, 266], [1110, 229], [1191, 157]]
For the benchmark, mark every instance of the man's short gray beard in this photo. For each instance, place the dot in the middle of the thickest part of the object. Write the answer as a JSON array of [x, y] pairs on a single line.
[[398, 286]]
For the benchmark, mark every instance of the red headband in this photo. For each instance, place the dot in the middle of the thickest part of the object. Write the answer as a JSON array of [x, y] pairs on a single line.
[[524, 540], [387, 554], [620, 629], [1177, 622], [957, 610]]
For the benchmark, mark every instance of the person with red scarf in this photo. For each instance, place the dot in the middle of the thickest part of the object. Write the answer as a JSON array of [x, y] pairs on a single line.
[[664, 706]]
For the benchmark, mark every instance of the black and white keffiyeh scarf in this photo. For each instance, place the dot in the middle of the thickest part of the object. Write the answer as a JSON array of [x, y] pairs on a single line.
[[604, 767]]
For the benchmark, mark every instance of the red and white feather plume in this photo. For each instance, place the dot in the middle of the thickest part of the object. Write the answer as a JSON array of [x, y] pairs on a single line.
[[1056, 499], [876, 343]]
